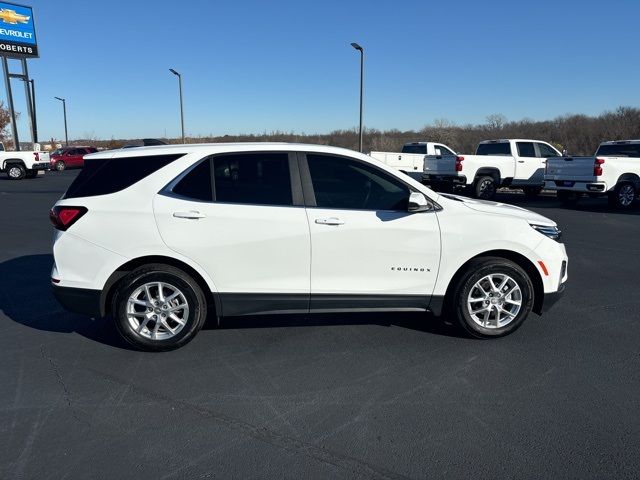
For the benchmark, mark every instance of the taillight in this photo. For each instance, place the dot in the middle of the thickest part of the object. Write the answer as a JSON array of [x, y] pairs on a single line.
[[459, 161], [62, 217], [36, 155], [597, 168]]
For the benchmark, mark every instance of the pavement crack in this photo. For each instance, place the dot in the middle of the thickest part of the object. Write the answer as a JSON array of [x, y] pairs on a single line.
[[355, 466], [65, 390]]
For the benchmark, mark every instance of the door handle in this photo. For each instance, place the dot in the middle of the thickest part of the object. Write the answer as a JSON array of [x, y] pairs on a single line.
[[329, 221], [192, 215], [520, 161]]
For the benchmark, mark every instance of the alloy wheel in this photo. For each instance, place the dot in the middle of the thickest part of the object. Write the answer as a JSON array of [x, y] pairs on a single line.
[[157, 310], [494, 301]]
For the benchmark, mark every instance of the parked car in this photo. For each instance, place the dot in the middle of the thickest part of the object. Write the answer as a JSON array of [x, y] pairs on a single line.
[[23, 164], [246, 229], [70, 157], [614, 171], [411, 159], [515, 163]]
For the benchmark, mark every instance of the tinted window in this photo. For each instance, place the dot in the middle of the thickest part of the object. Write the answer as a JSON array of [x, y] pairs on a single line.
[[197, 183], [255, 178], [619, 150], [421, 149], [110, 175], [526, 149], [546, 151], [339, 182], [494, 149]]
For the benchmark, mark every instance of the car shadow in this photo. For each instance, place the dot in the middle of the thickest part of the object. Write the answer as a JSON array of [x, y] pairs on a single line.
[[26, 298]]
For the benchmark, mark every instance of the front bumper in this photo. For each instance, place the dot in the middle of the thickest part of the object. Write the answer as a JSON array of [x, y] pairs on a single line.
[[79, 300]]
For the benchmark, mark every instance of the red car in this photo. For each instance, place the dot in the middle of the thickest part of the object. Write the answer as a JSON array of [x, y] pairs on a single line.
[[69, 157]]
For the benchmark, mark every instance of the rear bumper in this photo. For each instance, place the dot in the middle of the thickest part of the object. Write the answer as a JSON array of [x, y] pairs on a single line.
[[550, 299], [444, 178], [577, 186], [79, 300], [41, 166]]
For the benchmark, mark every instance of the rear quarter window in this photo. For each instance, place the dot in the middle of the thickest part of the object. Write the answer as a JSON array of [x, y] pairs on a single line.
[[419, 149], [619, 150], [110, 175]]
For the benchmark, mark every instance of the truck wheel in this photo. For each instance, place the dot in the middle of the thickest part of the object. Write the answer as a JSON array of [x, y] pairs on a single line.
[[623, 195], [531, 192], [567, 197], [159, 307], [485, 188], [31, 174], [60, 166], [492, 298], [16, 171]]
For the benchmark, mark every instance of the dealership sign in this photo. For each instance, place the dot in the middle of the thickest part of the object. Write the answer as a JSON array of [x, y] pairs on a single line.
[[17, 31]]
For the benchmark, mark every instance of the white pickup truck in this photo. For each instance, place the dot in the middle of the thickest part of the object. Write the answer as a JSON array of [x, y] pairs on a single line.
[[614, 171], [512, 163], [412, 157], [24, 164]]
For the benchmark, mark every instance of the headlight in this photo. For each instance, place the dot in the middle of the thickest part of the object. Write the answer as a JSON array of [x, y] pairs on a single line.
[[552, 232]]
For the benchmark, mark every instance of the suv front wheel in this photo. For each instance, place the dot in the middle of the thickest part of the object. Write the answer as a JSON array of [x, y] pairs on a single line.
[[159, 307], [492, 298]]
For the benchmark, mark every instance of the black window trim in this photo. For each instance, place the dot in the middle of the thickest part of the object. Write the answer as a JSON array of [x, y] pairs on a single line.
[[309, 193], [297, 199]]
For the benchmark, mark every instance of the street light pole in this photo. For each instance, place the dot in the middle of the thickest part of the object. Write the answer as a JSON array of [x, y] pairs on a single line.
[[181, 108], [64, 110], [361, 50], [32, 82]]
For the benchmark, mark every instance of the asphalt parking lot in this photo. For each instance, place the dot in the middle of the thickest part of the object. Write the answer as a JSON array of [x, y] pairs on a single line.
[[335, 396]]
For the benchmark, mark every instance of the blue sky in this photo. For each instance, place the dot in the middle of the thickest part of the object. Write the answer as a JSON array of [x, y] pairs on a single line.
[[258, 66]]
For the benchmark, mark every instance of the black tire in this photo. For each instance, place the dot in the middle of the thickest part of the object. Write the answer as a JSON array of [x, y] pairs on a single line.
[[623, 195], [485, 187], [61, 166], [477, 270], [567, 197], [16, 171], [170, 276], [532, 192], [31, 174]]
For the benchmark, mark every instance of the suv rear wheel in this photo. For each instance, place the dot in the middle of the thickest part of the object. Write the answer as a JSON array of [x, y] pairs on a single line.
[[492, 298], [159, 307]]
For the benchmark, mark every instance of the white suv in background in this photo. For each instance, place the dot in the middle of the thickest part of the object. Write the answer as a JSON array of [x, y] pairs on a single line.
[[161, 237]]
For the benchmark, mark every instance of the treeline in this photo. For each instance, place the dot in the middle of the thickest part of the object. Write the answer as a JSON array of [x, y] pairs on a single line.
[[578, 134]]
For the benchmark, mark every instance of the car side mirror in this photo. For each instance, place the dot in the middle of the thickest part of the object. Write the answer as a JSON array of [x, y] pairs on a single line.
[[418, 203]]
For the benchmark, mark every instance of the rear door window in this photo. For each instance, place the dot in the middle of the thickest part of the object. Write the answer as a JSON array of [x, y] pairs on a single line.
[[526, 149], [253, 178], [196, 184], [499, 148], [110, 175]]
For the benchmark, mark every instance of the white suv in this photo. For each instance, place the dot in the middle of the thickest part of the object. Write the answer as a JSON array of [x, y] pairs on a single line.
[[161, 237]]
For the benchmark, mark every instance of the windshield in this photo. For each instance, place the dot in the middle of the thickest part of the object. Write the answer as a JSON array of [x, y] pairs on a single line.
[[502, 148], [57, 151], [619, 150]]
